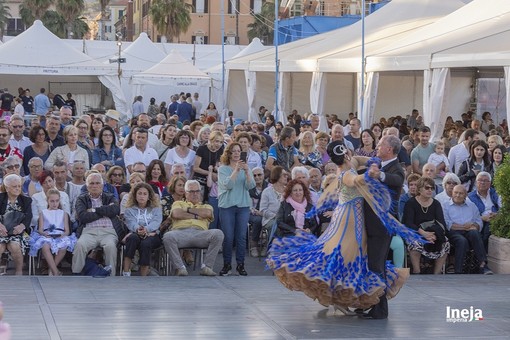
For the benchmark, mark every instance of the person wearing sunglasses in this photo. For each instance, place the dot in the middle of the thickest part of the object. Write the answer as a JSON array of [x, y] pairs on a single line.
[[6, 149], [18, 140], [424, 214]]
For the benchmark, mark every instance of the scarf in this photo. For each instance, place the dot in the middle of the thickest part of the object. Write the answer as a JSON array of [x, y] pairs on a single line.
[[299, 211]]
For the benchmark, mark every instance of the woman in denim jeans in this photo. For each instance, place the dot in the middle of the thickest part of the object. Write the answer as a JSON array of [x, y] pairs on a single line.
[[234, 181]]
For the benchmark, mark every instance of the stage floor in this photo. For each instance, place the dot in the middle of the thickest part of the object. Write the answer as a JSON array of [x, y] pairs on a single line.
[[252, 307]]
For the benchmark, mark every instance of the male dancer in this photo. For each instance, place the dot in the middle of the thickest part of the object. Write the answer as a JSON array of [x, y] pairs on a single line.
[[378, 238]]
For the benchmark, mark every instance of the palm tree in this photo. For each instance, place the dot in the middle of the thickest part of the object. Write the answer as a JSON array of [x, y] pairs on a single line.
[[70, 10], [31, 10], [263, 25], [103, 4], [171, 17], [5, 14], [55, 22]]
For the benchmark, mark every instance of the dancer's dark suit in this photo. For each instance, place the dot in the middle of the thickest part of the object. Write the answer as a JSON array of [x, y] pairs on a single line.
[[378, 238]]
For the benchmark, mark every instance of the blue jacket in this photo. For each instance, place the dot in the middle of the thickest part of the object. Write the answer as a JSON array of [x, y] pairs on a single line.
[[479, 204], [115, 154]]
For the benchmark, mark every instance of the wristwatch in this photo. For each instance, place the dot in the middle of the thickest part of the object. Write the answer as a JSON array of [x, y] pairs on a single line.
[[93, 210]]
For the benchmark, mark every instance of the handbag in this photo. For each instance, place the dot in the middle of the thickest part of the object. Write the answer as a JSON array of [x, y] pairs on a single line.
[[439, 230], [11, 219]]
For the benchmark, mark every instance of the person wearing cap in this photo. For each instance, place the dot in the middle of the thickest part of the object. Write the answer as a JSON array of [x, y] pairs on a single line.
[[112, 118]]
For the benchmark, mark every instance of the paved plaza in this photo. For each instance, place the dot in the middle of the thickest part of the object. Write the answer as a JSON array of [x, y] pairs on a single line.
[[235, 307]]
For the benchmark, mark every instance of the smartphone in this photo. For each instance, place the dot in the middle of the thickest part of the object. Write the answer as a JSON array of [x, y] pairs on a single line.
[[244, 156]]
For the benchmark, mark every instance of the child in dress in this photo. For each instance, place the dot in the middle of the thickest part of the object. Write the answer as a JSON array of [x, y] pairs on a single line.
[[439, 157], [52, 237]]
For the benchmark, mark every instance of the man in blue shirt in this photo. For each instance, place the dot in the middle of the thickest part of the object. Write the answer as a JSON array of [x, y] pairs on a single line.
[[184, 110], [464, 223], [42, 104]]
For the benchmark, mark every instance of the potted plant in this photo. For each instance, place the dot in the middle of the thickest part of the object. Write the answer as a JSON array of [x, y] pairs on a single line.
[[499, 241]]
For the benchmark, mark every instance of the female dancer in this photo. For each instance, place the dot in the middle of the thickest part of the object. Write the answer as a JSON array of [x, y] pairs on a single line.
[[333, 269]]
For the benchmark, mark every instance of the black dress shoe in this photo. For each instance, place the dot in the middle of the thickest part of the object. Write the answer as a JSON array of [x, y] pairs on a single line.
[[370, 316]]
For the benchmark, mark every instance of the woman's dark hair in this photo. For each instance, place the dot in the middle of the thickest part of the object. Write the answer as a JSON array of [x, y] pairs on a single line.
[[371, 133], [153, 101], [485, 114], [100, 144], [503, 152], [422, 182], [336, 151], [35, 131], [183, 133], [271, 117], [276, 173], [129, 137], [476, 143], [162, 178], [288, 190], [92, 133]]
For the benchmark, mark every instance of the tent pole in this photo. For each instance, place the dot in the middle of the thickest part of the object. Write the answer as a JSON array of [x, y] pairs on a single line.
[[222, 54], [362, 94], [277, 62]]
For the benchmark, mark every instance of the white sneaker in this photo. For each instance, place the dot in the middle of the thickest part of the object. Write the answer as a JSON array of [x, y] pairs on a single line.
[[181, 272], [126, 273], [206, 271]]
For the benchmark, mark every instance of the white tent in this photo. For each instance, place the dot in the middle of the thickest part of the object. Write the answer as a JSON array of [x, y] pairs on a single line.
[[469, 37], [174, 74], [140, 55], [37, 56], [219, 94], [303, 83]]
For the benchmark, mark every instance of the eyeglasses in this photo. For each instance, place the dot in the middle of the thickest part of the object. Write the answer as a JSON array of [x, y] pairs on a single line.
[[35, 166], [193, 191], [12, 167], [4, 135], [238, 130], [141, 171], [428, 187], [451, 183], [17, 126], [258, 175], [117, 175], [483, 180]]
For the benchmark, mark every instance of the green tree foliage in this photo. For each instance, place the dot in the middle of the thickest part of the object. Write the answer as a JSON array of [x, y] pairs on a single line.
[[500, 225], [5, 14], [70, 10], [263, 24], [171, 17]]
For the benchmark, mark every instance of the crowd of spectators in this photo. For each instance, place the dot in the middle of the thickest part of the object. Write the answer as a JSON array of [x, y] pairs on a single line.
[[180, 177]]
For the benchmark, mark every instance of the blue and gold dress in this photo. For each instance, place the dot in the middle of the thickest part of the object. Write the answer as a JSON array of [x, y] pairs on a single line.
[[333, 269]]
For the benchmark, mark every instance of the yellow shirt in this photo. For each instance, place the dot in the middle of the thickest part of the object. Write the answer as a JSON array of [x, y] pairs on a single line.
[[187, 223]]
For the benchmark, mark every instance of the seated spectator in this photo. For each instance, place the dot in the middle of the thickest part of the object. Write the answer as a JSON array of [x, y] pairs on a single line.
[[182, 153], [283, 153], [307, 153], [300, 173], [134, 179], [450, 180], [255, 213], [40, 199], [497, 155], [99, 226], [477, 161], [429, 170], [315, 184], [464, 224], [330, 169], [173, 192], [488, 203], [116, 177], [412, 181], [40, 149], [420, 211], [368, 143], [106, 151], [142, 217], [271, 198], [70, 152], [190, 220], [12, 165], [14, 238], [291, 215], [31, 183], [156, 175]]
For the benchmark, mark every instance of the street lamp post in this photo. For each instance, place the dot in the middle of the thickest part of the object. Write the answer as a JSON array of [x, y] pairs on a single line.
[[119, 70]]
